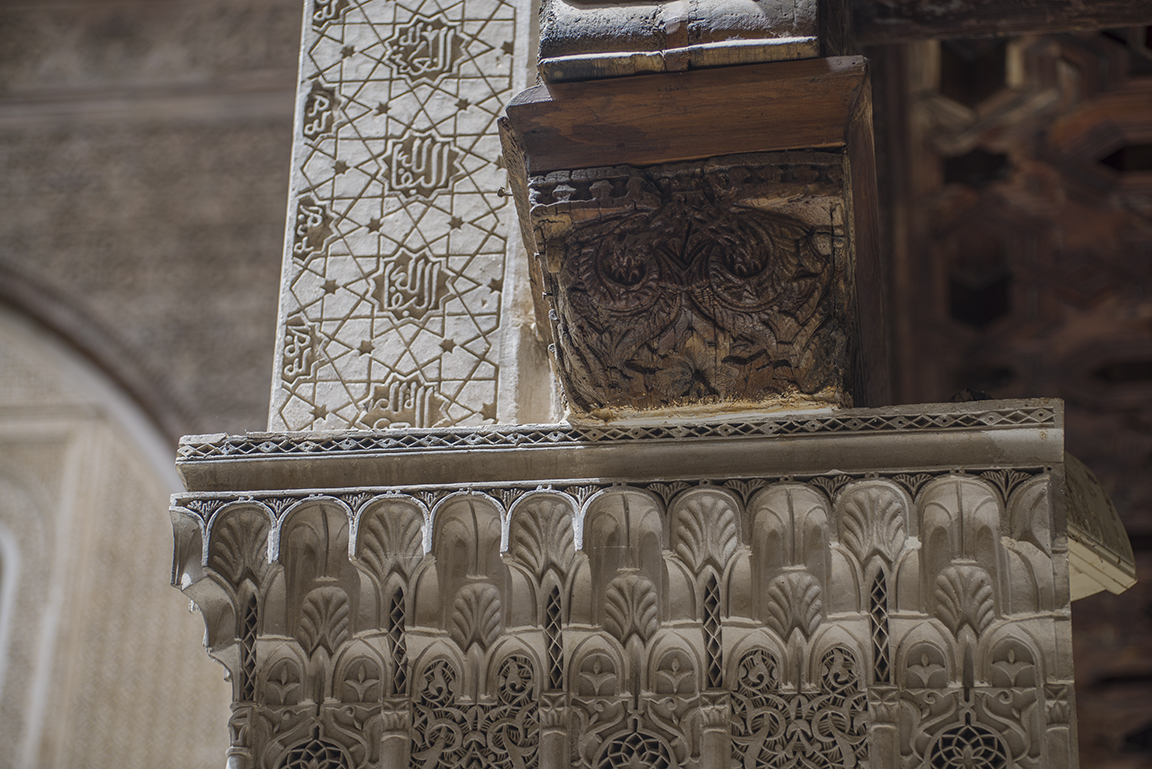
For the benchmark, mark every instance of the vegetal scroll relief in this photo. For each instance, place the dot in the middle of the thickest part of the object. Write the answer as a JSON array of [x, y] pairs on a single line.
[[553, 625]]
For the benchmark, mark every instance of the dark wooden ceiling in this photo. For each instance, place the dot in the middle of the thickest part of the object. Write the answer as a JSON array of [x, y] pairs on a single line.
[[1016, 185]]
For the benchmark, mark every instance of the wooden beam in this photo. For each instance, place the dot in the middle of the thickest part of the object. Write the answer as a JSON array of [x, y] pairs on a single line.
[[649, 119], [879, 22]]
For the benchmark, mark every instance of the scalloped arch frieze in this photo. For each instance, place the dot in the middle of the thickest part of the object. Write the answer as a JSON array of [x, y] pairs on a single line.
[[643, 609]]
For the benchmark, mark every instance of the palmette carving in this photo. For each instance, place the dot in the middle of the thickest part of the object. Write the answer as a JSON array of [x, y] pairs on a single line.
[[759, 617]]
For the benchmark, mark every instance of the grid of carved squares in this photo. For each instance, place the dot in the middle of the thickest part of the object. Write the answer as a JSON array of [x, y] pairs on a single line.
[[628, 613]]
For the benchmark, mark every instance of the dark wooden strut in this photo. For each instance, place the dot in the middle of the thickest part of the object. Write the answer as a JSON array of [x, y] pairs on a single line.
[[881, 22]]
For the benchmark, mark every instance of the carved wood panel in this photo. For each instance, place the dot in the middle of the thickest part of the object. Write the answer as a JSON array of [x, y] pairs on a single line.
[[724, 282]]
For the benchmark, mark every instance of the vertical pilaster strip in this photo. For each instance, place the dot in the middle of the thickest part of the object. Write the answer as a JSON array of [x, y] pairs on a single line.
[[394, 262]]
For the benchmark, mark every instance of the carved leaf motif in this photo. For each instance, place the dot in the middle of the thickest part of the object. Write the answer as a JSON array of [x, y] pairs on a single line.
[[597, 675], [832, 484], [389, 536], [675, 675], [1006, 480], [631, 608], [745, 488], [239, 543], [912, 481], [667, 491], [284, 685], [964, 597], [794, 604], [325, 620], [475, 616], [362, 681], [542, 535], [872, 521], [705, 531], [581, 493]]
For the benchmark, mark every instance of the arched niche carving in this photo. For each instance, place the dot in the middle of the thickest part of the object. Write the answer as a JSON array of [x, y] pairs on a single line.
[[582, 602], [1010, 658], [764, 643], [471, 575], [283, 680], [873, 520], [596, 668], [846, 583], [541, 535], [323, 586], [705, 527], [217, 604], [624, 541], [524, 598], [1031, 572], [189, 552], [925, 658], [1030, 514], [790, 528], [439, 675], [466, 533], [674, 667], [739, 590], [390, 536], [906, 585], [238, 542], [360, 674], [847, 639], [274, 607], [518, 685], [683, 597], [961, 520]]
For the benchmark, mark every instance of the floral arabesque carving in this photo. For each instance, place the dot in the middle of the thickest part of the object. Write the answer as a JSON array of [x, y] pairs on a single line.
[[774, 729], [643, 629], [696, 302], [504, 734], [700, 283]]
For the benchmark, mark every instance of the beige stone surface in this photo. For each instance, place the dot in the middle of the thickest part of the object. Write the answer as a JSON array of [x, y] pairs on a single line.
[[886, 586], [145, 148], [100, 662], [397, 298]]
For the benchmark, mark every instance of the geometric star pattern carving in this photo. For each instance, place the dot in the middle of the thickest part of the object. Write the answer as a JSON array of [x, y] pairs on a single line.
[[395, 255]]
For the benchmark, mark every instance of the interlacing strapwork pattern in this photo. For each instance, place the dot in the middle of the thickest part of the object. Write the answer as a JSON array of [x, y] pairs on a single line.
[[504, 734], [713, 645], [399, 645], [636, 749], [878, 624], [316, 754], [968, 746], [778, 730], [395, 251], [248, 652]]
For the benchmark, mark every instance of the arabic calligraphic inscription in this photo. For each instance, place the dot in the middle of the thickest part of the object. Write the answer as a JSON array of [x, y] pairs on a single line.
[[397, 239]]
